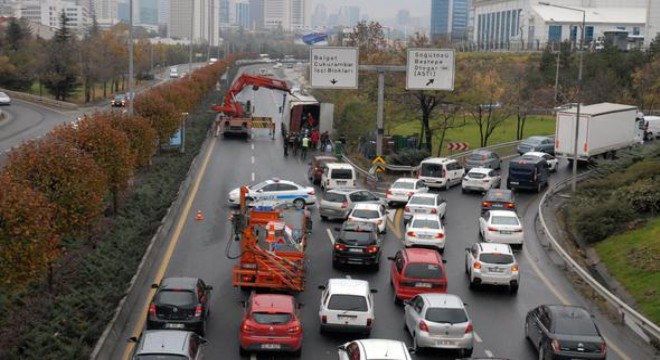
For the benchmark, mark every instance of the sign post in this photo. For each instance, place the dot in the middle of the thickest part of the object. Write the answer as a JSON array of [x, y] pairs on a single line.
[[333, 67], [430, 69]]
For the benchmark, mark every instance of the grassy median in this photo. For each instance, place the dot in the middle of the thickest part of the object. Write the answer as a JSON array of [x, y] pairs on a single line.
[[633, 258]]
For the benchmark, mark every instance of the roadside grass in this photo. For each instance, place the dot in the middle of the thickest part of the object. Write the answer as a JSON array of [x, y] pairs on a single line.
[[78, 97], [633, 258], [535, 125]]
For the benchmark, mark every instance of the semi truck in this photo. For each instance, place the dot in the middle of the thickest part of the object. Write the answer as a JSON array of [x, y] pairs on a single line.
[[604, 129], [296, 113]]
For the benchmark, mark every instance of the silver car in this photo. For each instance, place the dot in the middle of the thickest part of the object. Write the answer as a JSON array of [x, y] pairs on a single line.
[[483, 158], [4, 99], [439, 321], [338, 203], [167, 344], [495, 264]]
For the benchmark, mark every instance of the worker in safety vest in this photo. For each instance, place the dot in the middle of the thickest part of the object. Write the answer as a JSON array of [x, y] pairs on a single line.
[[305, 145]]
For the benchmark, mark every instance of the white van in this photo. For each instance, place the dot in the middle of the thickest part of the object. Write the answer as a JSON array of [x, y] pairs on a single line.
[[440, 172], [651, 128], [174, 73], [338, 175], [347, 305]]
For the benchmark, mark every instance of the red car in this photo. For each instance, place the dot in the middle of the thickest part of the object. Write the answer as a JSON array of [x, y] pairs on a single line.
[[271, 323], [416, 271]]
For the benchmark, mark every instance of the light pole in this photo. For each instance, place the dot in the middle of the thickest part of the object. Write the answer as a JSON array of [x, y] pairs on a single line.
[[192, 31], [130, 59], [579, 89]]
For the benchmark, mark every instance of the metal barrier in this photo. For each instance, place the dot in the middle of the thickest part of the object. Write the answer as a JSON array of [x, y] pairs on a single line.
[[41, 100], [649, 330]]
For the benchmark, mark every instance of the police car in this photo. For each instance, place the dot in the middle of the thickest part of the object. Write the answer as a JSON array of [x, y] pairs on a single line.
[[276, 190]]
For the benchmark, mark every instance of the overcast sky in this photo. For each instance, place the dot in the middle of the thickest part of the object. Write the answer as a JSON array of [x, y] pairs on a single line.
[[379, 9]]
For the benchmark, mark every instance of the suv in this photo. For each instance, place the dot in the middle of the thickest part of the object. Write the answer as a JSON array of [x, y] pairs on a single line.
[[347, 305], [498, 199], [180, 303], [441, 172], [495, 264], [167, 344], [358, 243], [338, 203]]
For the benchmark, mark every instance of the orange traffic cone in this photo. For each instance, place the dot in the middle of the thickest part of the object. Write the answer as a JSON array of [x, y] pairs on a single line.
[[199, 215]]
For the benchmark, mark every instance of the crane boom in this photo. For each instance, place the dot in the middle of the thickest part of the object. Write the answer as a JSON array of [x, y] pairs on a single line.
[[233, 108]]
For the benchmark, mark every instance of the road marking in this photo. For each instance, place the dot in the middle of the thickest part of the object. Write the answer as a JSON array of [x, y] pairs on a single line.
[[252, 146], [253, 356], [477, 337], [348, 277], [252, 159], [253, 177], [395, 226], [332, 238], [489, 353], [390, 214], [170, 248]]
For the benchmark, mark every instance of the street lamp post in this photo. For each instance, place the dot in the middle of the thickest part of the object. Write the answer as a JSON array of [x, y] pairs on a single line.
[[192, 31], [579, 89], [130, 58]]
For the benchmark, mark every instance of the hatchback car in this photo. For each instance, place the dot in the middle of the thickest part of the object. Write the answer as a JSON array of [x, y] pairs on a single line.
[[439, 321], [483, 158], [373, 213], [498, 199], [4, 99], [537, 143], [317, 166], [347, 305], [276, 190], [167, 344], [502, 227], [358, 243], [481, 179], [374, 349], [492, 264], [564, 332], [425, 231], [338, 203], [425, 203], [120, 100], [271, 323], [552, 161], [402, 189], [415, 271], [180, 303]]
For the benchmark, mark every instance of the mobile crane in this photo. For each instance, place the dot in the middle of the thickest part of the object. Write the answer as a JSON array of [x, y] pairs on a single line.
[[272, 243], [236, 118]]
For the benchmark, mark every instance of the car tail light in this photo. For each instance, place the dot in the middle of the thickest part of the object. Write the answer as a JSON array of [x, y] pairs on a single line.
[[295, 329], [485, 181], [514, 268], [423, 326], [434, 211], [439, 236], [311, 192], [340, 247], [389, 192], [486, 204], [344, 205], [152, 310], [555, 345], [603, 348], [198, 311], [469, 328], [411, 234], [406, 209], [476, 265], [324, 319], [247, 328], [369, 322], [371, 249], [492, 229], [509, 205]]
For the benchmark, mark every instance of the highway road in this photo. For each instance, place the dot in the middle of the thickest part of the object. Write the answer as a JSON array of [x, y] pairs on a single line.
[[197, 248]]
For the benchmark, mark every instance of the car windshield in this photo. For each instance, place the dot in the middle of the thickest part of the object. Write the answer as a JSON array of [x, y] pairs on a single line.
[[498, 196], [425, 224], [348, 302], [499, 259], [444, 315], [341, 174], [476, 175], [403, 185], [365, 214], [161, 357], [504, 220], [175, 298], [271, 318], [334, 197], [421, 200], [423, 271], [571, 323], [258, 186], [431, 170], [119, 97], [533, 141], [357, 237], [477, 157]]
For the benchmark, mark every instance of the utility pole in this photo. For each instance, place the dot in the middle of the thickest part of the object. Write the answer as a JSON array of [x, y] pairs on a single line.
[[130, 59], [190, 46]]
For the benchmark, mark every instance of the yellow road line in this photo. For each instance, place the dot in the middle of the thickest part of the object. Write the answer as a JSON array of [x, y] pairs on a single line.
[[395, 226], [174, 240]]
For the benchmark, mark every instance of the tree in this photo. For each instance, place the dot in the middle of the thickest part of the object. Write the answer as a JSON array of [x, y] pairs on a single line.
[[141, 136], [16, 34], [91, 59], [367, 37], [447, 120], [162, 115], [61, 69], [646, 85]]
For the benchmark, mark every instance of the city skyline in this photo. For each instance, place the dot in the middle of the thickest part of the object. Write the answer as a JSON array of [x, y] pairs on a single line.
[[378, 10]]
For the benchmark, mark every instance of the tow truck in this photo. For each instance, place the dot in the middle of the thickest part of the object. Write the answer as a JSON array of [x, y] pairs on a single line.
[[273, 237], [236, 118]]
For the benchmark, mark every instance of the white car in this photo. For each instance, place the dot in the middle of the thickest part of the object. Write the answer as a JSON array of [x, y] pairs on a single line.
[[502, 227], [4, 99], [481, 179], [276, 190], [401, 190], [347, 305], [493, 264], [552, 161], [425, 230], [373, 213], [425, 203], [374, 349]]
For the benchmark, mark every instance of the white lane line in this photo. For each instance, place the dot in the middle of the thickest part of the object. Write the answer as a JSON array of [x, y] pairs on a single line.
[[332, 238], [253, 356], [253, 159], [252, 146], [477, 337], [489, 353], [252, 177], [348, 277]]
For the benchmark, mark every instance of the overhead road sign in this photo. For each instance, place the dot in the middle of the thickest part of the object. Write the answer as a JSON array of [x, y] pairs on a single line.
[[333, 67], [430, 69]]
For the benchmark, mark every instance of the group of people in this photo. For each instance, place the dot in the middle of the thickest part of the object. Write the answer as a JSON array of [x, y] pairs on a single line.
[[306, 140]]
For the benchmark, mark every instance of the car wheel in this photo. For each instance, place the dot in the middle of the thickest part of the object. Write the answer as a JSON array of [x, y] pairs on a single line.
[[242, 351], [466, 352], [375, 266], [299, 203], [513, 289], [335, 264], [447, 186], [538, 188], [463, 190], [298, 352], [415, 346], [324, 218], [527, 330], [202, 329], [397, 301], [473, 285]]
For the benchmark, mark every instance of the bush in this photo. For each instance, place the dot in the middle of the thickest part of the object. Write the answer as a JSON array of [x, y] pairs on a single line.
[[408, 157], [595, 220], [643, 196]]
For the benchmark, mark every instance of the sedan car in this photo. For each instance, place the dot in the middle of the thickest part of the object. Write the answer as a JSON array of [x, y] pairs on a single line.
[[564, 332], [425, 203], [317, 165], [358, 243], [4, 99], [374, 349], [271, 323], [426, 231], [439, 321], [180, 303], [552, 161], [493, 264], [338, 203], [373, 213], [537, 143], [481, 179], [498, 199], [167, 344], [402, 189], [502, 227], [276, 190], [483, 158]]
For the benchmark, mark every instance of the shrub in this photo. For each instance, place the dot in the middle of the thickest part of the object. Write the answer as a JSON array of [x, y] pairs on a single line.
[[643, 195], [408, 157], [595, 220]]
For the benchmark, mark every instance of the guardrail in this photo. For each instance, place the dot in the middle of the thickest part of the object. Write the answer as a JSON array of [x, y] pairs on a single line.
[[650, 331], [40, 100]]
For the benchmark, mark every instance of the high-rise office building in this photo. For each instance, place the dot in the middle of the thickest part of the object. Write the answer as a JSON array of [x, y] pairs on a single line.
[[205, 21], [289, 15], [449, 19], [148, 10], [242, 11], [320, 16], [403, 17]]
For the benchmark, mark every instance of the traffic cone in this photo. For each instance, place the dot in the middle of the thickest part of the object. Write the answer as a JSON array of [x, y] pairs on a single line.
[[199, 216]]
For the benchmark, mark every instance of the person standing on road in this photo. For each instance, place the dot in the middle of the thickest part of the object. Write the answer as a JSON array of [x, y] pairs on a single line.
[[315, 139], [305, 146]]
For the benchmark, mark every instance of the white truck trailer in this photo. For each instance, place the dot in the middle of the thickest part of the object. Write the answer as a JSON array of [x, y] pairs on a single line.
[[603, 129]]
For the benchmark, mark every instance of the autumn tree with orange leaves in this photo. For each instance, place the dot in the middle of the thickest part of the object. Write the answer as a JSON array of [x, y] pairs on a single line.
[[162, 115], [141, 136]]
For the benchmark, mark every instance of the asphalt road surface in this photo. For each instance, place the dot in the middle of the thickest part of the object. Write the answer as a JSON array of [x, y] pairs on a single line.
[[498, 317]]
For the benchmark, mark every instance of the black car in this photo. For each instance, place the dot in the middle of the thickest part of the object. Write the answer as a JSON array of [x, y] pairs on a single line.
[[358, 243], [498, 199], [119, 101], [180, 303], [564, 332]]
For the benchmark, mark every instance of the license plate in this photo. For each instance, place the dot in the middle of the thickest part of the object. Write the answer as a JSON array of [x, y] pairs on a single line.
[[422, 236], [420, 211], [495, 270], [443, 342], [341, 182], [505, 232], [355, 250], [346, 317], [175, 326], [271, 346], [514, 182], [423, 285]]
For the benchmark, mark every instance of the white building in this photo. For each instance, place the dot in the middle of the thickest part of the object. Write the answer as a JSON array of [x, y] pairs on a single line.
[[205, 21], [106, 11], [290, 15], [48, 13]]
